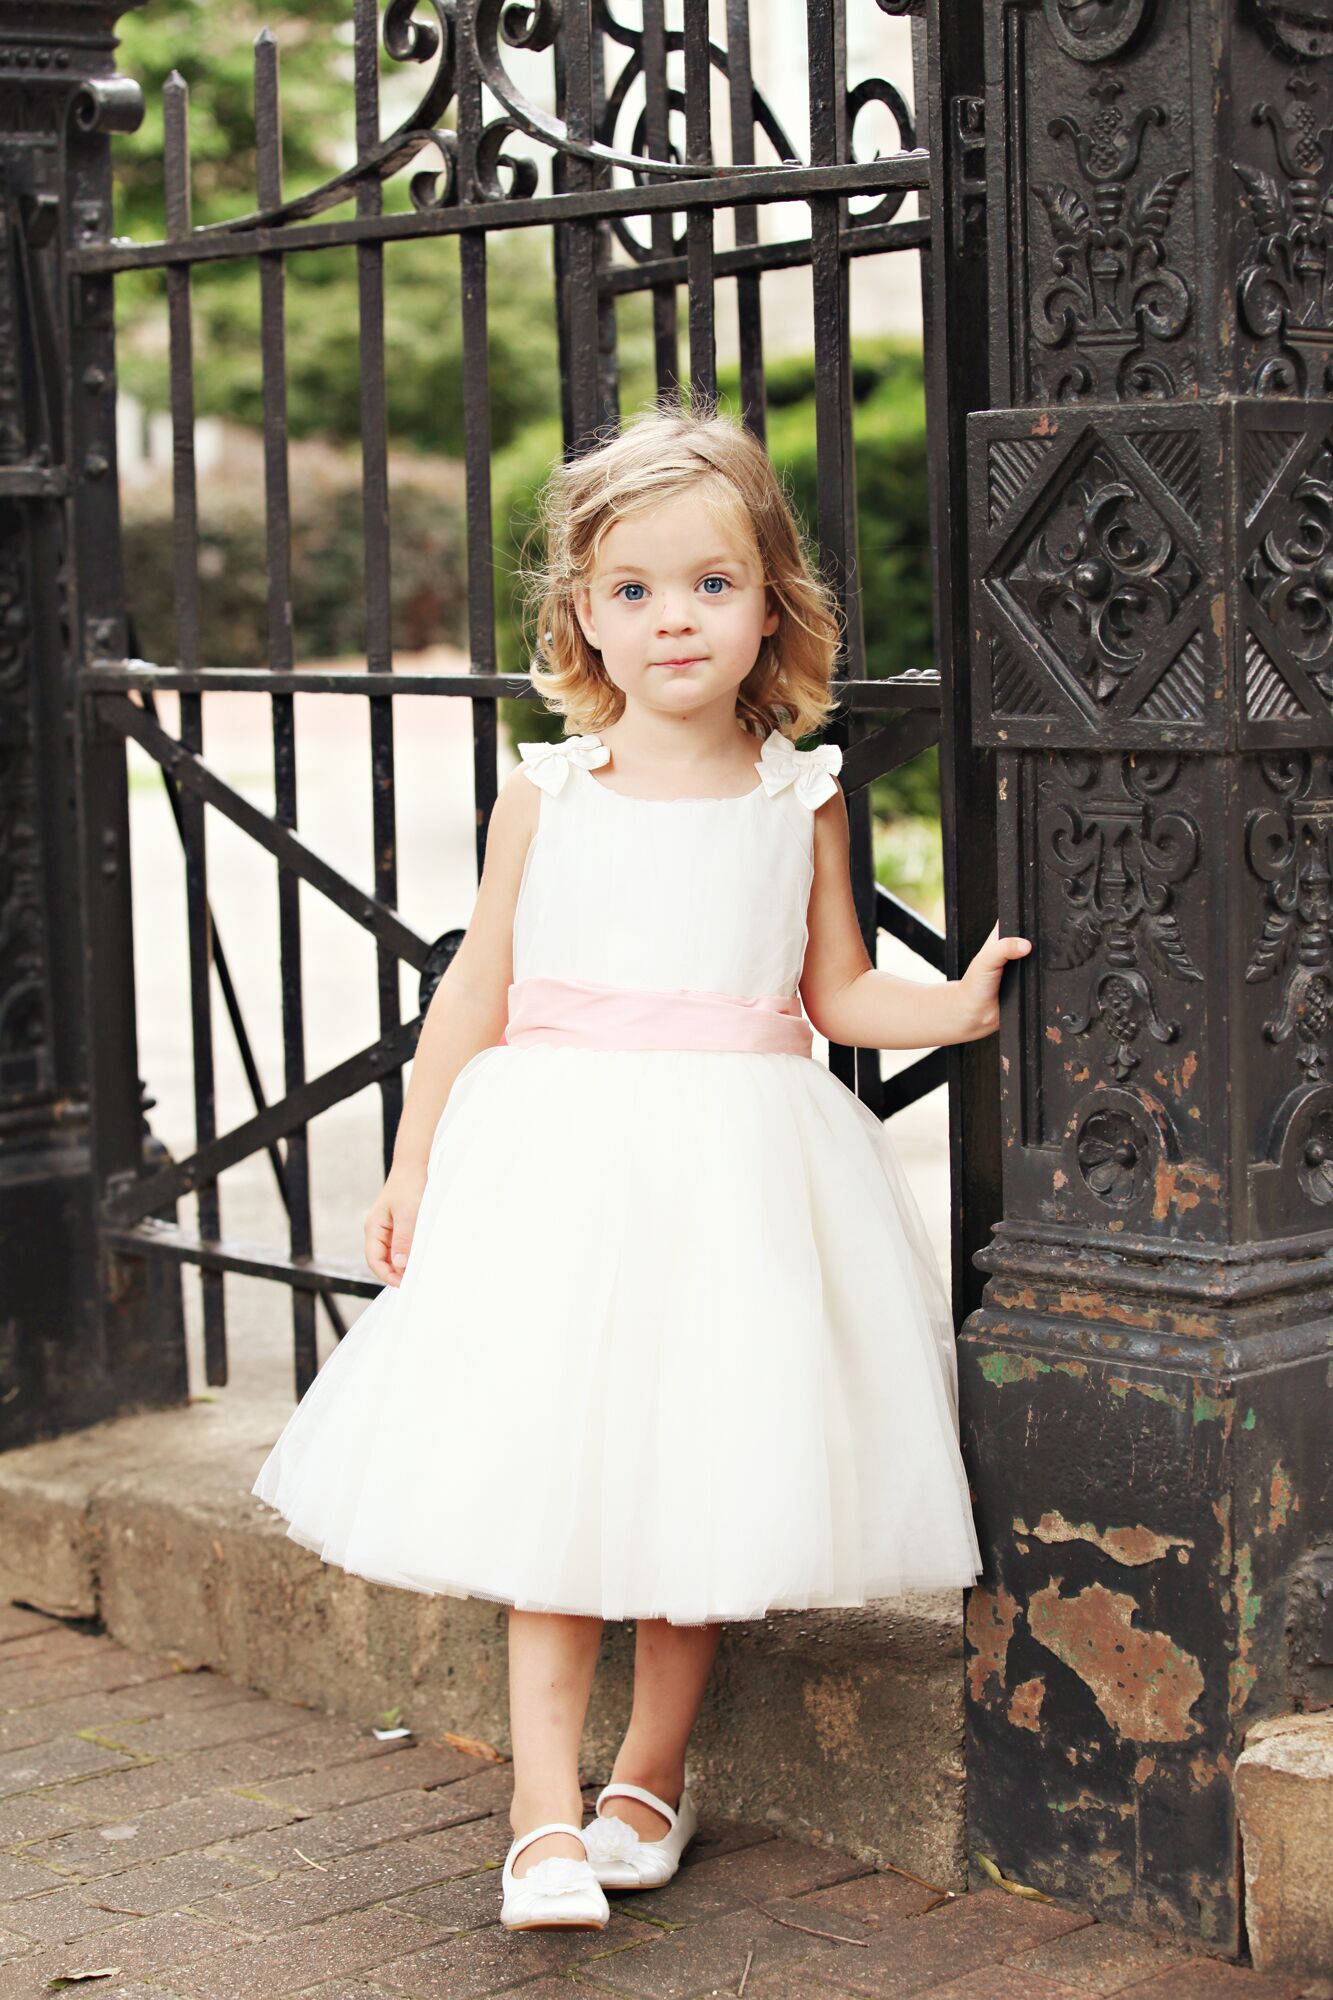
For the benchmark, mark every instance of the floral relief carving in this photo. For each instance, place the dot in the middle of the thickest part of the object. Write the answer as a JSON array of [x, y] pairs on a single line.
[[1118, 859], [1285, 294], [1113, 285], [1290, 570], [1091, 30], [1288, 849], [1315, 1170], [1114, 1156], [1304, 26], [1102, 577]]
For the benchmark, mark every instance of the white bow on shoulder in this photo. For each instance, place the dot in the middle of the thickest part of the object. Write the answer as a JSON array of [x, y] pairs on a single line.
[[547, 764], [811, 772]]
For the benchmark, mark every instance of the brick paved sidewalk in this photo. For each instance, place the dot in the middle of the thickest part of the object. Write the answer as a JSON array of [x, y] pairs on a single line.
[[186, 1839]]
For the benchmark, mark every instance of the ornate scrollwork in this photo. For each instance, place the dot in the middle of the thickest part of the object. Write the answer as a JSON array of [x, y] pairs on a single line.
[[1288, 849], [1091, 30], [641, 165], [1303, 26], [1291, 570], [1118, 861], [1102, 576], [1285, 294], [1113, 286], [1315, 1170], [15, 620], [496, 174], [491, 156], [406, 40], [25, 1050], [878, 90], [532, 24], [107, 104], [1114, 1155]]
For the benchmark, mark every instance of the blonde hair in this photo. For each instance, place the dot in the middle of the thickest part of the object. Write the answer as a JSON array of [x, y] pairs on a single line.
[[668, 449]]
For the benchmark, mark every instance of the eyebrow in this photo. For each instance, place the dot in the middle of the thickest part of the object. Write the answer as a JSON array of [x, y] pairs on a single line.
[[709, 563]]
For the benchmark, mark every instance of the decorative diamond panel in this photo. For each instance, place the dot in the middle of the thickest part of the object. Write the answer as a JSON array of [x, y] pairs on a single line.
[[1285, 562], [1090, 578]]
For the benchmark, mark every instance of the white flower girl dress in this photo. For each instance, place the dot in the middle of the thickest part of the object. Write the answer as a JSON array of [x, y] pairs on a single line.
[[670, 1340]]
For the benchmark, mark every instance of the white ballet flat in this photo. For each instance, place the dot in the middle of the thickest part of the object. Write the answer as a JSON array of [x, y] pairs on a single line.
[[559, 1893], [621, 1858]]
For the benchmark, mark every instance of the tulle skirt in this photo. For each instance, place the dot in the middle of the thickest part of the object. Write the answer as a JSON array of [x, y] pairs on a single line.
[[670, 1343]]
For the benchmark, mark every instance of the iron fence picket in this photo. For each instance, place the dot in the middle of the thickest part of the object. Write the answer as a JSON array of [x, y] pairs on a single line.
[[185, 567], [699, 221], [484, 183], [376, 541], [278, 572], [745, 223]]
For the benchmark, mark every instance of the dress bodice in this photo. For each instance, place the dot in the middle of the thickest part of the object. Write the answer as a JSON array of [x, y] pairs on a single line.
[[699, 894]]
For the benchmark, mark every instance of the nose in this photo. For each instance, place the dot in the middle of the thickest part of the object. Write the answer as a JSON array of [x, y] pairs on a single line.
[[676, 614]]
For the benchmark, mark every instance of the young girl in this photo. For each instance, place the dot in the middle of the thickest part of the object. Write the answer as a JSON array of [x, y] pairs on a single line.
[[662, 1335]]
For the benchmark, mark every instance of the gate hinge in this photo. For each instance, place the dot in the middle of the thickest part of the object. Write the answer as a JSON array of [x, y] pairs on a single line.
[[967, 138]]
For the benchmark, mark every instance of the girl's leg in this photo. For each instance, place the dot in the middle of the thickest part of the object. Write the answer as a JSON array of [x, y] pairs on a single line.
[[552, 1658], [671, 1668]]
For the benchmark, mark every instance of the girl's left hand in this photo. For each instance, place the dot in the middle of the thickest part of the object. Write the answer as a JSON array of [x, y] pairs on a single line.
[[980, 984]]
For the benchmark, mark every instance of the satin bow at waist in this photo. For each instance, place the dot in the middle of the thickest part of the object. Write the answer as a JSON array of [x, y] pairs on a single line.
[[578, 1014]]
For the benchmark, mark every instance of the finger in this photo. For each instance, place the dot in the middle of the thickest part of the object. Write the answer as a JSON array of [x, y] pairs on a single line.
[[376, 1235]]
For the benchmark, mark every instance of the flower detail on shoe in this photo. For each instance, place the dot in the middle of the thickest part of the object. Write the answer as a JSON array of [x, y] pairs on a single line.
[[558, 1875], [810, 772], [610, 1838], [547, 764]]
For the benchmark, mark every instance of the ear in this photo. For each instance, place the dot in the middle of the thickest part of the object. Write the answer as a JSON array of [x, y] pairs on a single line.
[[773, 616], [582, 600]]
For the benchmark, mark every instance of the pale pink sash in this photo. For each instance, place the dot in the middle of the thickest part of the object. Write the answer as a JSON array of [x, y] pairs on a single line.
[[576, 1014]]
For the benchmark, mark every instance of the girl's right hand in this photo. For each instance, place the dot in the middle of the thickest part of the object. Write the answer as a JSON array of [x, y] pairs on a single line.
[[391, 1222]]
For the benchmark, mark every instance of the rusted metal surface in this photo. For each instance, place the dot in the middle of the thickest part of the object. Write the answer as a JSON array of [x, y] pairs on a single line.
[[1147, 1386]]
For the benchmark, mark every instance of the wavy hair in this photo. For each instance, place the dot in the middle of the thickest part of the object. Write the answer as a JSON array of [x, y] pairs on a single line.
[[671, 448]]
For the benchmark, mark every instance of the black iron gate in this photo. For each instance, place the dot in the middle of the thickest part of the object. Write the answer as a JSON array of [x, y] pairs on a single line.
[[608, 189], [1127, 243]]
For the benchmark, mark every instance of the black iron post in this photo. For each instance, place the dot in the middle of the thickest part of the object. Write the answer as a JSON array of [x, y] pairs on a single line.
[[79, 1338], [1148, 1383]]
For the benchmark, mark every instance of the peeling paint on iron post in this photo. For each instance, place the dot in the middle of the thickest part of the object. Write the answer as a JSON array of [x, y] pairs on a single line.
[[1146, 1389]]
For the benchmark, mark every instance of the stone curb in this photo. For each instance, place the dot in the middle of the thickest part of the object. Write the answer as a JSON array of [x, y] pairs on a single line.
[[845, 1726]]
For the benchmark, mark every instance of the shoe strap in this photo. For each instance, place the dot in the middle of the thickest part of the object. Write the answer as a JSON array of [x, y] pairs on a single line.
[[620, 1789], [552, 1826]]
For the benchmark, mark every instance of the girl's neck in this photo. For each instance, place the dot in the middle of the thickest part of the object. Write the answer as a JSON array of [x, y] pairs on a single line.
[[680, 747]]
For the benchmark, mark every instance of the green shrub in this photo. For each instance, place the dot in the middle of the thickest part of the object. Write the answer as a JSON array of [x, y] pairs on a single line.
[[427, 581]]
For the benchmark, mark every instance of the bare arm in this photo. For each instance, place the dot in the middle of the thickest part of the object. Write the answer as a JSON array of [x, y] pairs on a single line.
[[851, 1001], [467, 1014]]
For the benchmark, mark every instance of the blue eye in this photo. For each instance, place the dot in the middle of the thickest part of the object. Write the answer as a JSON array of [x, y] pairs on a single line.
[[630, 586], [717, 579]]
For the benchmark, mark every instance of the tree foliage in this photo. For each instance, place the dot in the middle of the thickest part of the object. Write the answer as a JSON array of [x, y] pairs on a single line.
[[212, 48]]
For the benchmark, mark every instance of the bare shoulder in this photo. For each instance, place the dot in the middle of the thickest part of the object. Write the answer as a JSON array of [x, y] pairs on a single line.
[[831, 822], [514, 815], [483, 962]]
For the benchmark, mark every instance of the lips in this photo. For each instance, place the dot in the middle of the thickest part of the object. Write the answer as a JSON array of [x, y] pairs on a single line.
[[679, 663]]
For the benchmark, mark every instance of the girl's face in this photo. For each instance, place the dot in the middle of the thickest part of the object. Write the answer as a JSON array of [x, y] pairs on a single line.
[[677, 607]]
